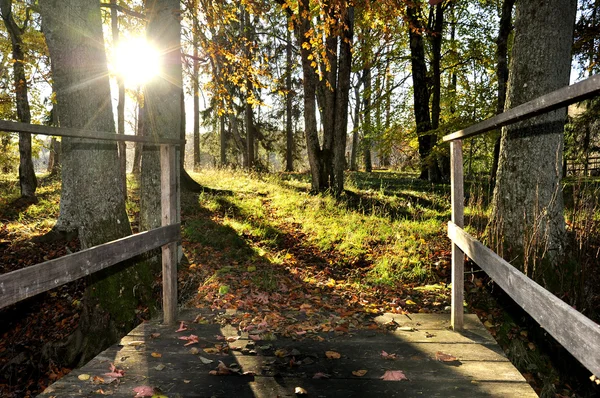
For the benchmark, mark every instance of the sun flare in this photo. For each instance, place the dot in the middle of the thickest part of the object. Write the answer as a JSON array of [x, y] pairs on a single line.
[[136, 61]]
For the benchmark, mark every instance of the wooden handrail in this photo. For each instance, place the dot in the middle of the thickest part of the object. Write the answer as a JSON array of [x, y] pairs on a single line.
[[18, 127], [560, 98], [577, 333], [27, 282]]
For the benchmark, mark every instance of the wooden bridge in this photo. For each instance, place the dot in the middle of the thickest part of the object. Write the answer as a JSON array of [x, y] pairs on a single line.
[[420, 355]]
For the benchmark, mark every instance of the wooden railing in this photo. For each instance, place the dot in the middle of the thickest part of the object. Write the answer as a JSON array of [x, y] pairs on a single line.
[[578, 334], [27, 282]]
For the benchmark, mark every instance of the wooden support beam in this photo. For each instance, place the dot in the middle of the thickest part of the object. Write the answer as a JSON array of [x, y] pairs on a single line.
[[560, 98], [18, 127], [458, 257], [168, 186], [573, 330], [27, 282]]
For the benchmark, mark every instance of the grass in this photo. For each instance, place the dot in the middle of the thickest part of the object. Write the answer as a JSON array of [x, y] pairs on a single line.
[[386, 222]]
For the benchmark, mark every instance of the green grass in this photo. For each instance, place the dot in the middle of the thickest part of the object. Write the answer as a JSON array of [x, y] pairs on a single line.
[[392, 222]]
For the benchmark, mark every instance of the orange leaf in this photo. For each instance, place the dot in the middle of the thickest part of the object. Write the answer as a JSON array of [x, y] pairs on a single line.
[[440, 356], [359, 373], [332, 355]]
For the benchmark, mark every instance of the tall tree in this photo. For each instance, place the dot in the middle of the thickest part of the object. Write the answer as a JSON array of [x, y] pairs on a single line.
[[162, 102], [193, 5], [92, 201], [289, 132], [501, 73], [27, 178], [421, 91], [326, 57], [114, 24], [527, 216]]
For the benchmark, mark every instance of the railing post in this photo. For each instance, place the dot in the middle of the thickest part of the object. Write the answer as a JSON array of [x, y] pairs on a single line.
[[458, 257], [168, 186]]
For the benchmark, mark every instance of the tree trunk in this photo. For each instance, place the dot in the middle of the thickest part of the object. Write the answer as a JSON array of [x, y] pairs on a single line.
[[92, 199], [367, 125], [502, 75], [162, 103], [139, 147], [309, 84], [342, 100], [195, 83], [27, 178], [420, 92], [223, 137], [435, 173], [289, 132], [527, 216], [114, 22], [355, 131]]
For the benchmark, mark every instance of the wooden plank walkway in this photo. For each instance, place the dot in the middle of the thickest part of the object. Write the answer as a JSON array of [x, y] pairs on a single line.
[[153, 355]]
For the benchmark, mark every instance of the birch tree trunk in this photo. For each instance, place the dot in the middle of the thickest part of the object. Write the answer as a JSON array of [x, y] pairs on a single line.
[[527, 220]]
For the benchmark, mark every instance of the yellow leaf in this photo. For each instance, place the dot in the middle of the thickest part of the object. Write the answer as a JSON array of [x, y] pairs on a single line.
[[156, 355], [332, 355], [83, 377], [488, 324], [410, 302], [359, 373]]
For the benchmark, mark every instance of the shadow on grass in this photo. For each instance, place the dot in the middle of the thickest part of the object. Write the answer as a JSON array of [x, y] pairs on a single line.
[[12, 209]]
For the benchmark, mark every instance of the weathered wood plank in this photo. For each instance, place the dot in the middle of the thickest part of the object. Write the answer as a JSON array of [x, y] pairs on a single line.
[[27, 282], [18, 127], [168, 186], [480, 371], [574, 331], [458, 216], [557, 99], [269, 387]]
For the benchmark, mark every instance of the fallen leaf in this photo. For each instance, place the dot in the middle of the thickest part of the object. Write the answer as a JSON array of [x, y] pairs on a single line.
[[154, 335], [187, 381], [143, 391], [440, 356], [332, 355], [114, 372], [410, 302], [191, 339], [281, 353], [204, 360], [321, 375], [194, 351], [406, 329], [301, 332], [221, 370], [300, 391], [159, 367], [488, 324], [83, 377], [182, 327], [156, 355], [385, 355], [531, 346], [394, 375], [211, 350], [97, 380], [255, 337], [359, 373], [136, 343], [232, 338]]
